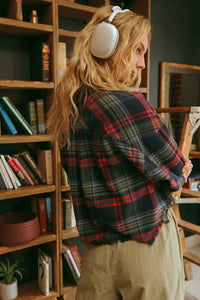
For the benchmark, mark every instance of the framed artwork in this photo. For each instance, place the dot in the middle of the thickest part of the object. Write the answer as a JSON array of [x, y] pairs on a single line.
[[179, 87]]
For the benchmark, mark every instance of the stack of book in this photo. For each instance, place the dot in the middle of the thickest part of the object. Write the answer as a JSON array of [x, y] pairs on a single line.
[[45, 280], [19, 169], [71, 261], [13, 122], [41, 205]]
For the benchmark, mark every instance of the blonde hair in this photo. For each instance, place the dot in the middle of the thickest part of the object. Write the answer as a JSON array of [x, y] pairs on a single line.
[[84, 70]]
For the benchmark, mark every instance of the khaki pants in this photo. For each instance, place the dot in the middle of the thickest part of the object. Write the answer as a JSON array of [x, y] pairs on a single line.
[[134, 271]]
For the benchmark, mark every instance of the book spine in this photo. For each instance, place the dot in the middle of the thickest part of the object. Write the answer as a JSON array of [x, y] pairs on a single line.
[[76, 257], [73, 263], [43, 275], [30, 113], [17, 115], [17, 171], [46, 62], [3, 167], [16, 160], [73, 219], [67, 213], [48, 213], [66, 256], [3, 173], [45, 164], [64, 179], [11, 173], [42, 215], [62, 54], [8, 124], [2, 182], [34, 166], [40, 116]]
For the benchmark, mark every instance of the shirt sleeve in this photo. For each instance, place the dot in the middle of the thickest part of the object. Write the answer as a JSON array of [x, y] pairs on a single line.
[[142, 138]]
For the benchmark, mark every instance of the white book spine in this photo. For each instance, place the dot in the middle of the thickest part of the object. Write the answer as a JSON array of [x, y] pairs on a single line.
[[43, 275], [2, 171], [13, 177], [9, 171], [73, 263], [8, 181]]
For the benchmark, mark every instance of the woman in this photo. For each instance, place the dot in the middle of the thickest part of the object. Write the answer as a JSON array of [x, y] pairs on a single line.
[[122, 166]]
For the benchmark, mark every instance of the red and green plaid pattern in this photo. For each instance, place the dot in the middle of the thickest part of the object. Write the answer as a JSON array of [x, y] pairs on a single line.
[[122, 166]]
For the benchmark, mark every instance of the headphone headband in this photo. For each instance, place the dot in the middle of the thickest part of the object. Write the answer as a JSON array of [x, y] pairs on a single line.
[[116, 10]]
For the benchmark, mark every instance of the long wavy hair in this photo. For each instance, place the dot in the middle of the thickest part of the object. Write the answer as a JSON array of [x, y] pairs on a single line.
[[84, 70]]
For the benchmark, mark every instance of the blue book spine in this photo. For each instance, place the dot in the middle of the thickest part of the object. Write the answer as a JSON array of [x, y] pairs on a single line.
[[48, 213], [10, 127]]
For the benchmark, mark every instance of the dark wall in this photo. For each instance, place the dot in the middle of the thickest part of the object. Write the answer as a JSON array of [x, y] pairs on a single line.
[[175, 37]]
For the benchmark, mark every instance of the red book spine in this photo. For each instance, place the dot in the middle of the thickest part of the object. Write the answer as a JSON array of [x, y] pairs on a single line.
[[42, 215], [18, 164]]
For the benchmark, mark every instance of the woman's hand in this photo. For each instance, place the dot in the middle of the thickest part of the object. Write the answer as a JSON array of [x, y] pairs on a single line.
[[187, 168]]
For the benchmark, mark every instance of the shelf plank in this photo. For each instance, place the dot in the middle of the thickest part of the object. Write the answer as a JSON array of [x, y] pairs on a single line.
[[69, 292], [65, 188], [41, 239], [192, 257], [26, 191], [36, 138], [36, 1], [75, 11], [140, 90], [194, 154], [190, 194], [20, 28], [67, 36], [69, 233], [31, 291], [22, 84], [188, 226]]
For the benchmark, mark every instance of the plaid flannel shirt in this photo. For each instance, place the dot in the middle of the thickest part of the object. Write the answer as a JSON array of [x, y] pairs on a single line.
[[122, 166]]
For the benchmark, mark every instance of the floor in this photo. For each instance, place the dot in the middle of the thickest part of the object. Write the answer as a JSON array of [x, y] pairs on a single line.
[[192, 287]]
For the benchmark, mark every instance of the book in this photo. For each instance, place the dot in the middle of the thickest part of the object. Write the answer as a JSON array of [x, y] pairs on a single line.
[[75, 253], [17, 171], [41, 54], [48, 259], [6, 177], [45, 164], [15, 10], [41, 127], [2, 182], [34, 205], [73, 218], [70, 263], [31, 114], [62, 54], [2, 171], [14, 180], [43, 274], [24, 169], [16, 116], [48, 213], [67, 213], [64, 179], [42, 215], [33, 165], [7, 123]]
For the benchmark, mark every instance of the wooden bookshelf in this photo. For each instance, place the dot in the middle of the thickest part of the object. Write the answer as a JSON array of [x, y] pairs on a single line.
[[17, 39]]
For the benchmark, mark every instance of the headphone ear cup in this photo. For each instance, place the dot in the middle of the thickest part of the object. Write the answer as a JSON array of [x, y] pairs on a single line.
[[104, 40]]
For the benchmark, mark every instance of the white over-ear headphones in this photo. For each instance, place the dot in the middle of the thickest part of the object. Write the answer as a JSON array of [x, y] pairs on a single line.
[[105, 36]]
